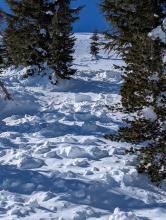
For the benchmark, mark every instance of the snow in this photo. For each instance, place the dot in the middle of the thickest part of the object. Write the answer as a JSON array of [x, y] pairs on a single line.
[[118, 215], [159, 32], [43, 32], [82, 98], [49, 13], [149, 113], [55, 163], [29, 163], [72, 152]]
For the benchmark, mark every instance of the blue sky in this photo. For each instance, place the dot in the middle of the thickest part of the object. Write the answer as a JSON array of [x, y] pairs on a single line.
[[90, 18]]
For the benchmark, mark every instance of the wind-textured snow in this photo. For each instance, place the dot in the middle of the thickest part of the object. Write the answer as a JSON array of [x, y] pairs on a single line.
[[55, 163]]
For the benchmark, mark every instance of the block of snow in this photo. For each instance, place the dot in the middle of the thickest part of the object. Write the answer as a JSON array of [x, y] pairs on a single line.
[[44, 196], [119, 215], [49, 13], [72, 152], [88, 172], [81, 162], [51, 154], [82, 98], [30, 163], [15, 211], [42, 150], [98, 153], [159, 32], [130, 177], [149, 113], [43, 31]]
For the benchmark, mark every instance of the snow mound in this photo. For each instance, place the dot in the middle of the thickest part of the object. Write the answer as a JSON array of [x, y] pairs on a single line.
[[98, 153], [72, 152], [149, 113], [82, 98], [30, 163], [119, 215], [81, 162]]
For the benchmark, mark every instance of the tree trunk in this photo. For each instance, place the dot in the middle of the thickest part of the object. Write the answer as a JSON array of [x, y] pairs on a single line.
[[5, 91]]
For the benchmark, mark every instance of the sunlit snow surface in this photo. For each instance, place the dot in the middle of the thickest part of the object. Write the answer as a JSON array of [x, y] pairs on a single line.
[[55, 163]]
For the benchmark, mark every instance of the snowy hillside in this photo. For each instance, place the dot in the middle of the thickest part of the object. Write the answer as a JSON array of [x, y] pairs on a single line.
[[55, 163]]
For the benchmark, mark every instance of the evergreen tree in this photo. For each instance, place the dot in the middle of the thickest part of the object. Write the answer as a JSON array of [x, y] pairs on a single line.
[[94, 49], [4, 60], [2, 52], [62, 45], [144, 77], [39, 32], [27, 35]]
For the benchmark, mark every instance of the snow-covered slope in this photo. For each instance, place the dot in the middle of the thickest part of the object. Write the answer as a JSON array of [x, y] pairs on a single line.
[[55, 163]]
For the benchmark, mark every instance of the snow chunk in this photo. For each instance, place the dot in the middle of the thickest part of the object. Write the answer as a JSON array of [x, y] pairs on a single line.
[[43, 31], [119, 215], [88, 172], [42, 51], [51, 154], [81, 162], [43, 196], [49, 13], [82, 98], [83, 214], [72, 152], [159, 32], [41, 150], [98, 153], [149, 113], [30, 163]]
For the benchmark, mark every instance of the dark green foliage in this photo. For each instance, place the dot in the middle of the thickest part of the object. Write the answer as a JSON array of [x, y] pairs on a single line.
[[125, 16], [94, 48], [61, 47], [5, 60], [144, 62], [144, 76], [25, 42], [2, 51], [151, 160], [39, 32]]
